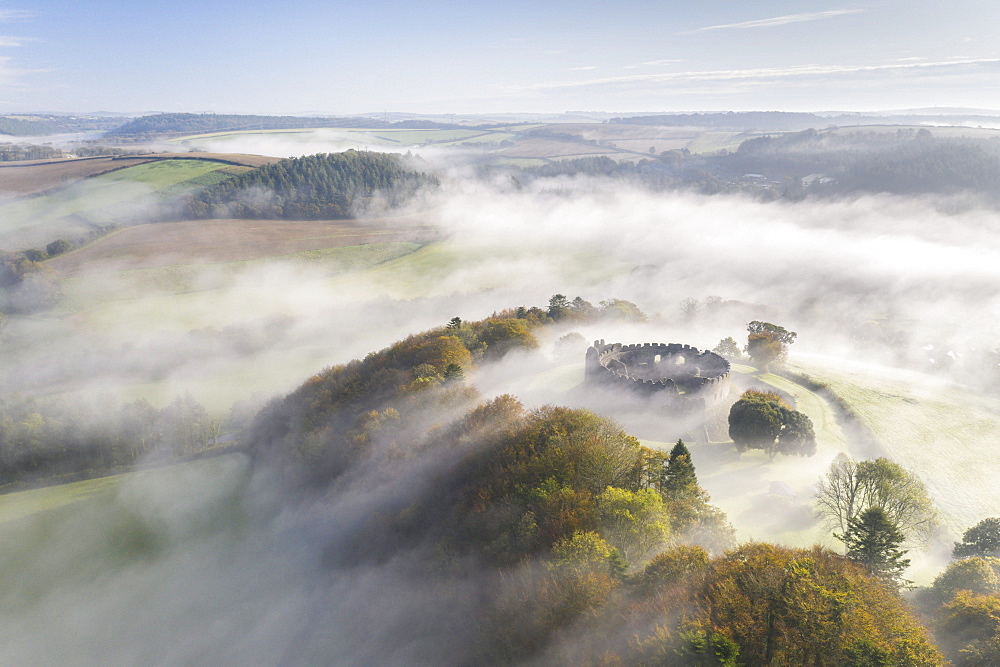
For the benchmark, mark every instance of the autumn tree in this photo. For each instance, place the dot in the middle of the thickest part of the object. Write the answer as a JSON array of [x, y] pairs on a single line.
[[503, 335], [768, 342], [635, 522]]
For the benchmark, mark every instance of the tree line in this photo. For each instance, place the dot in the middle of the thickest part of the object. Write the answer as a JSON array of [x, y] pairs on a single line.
[[190, 123], [907, 162], [45, 438]]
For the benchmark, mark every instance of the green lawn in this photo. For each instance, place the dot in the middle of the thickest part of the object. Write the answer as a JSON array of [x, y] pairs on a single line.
[[744, 485]]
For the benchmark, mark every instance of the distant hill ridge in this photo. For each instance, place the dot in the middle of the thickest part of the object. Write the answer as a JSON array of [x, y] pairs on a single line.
[[190, 123], [786, 121]]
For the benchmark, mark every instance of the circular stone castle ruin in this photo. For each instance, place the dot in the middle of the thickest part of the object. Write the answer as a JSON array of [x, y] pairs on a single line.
[[679, 378]]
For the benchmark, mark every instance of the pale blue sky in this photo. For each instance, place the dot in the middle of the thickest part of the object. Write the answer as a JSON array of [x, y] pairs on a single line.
[[465, 57]]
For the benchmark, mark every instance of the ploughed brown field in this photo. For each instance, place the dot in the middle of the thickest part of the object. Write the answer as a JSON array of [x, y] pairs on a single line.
[[204, 241], [35, 176]]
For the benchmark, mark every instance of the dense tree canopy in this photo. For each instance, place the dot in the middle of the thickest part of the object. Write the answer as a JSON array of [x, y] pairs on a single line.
[[762, 420], [314, 187], [983, 539]]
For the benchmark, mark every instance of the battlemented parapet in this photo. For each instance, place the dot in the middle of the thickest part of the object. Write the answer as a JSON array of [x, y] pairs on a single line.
[[678, 377]]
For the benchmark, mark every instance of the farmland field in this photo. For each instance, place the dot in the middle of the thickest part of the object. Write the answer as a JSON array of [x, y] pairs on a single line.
[[23, 178], [617, 141], [34, 176], [199, 241], [120, 196]]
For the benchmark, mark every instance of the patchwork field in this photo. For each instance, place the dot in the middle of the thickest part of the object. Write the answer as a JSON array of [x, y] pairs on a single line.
[[509, 144], [32, 177], [201, 241], [82, 202], [35, 176]]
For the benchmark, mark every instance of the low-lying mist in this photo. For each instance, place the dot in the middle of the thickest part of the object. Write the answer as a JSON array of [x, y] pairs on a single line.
[[215, 563]]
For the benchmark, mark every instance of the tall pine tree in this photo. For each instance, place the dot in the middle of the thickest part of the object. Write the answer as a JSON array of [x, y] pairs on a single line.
[[873, 540], [679, 473]]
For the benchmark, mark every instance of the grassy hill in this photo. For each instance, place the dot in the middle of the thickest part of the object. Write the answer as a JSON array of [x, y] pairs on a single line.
[[941, 431]]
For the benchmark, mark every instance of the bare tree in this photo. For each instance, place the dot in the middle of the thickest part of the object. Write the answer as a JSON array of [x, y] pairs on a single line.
[[851, 487]]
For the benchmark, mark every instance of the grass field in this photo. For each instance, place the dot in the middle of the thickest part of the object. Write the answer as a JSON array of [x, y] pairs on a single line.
[[23, 504], [629, 140], [66, 535], [162, 173], [944, 433], [710, 142]]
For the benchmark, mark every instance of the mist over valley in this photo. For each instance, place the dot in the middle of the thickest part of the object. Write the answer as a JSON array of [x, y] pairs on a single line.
[[680, 349]]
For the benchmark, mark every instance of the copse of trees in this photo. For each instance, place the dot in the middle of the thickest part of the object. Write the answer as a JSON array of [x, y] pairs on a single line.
[[561, 309], [762, 420], [46, 438], [314, 187]]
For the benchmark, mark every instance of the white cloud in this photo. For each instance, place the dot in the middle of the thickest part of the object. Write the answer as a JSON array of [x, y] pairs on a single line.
[[11, 41], [586, 68], [779, 20], [651, 63], [16, 15], [762, 73]]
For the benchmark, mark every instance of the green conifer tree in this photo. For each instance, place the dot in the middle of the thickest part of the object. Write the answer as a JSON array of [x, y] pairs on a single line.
[[873, 540], [679, 473]]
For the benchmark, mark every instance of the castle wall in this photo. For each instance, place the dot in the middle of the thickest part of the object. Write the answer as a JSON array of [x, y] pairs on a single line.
[[676, 376]]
